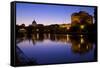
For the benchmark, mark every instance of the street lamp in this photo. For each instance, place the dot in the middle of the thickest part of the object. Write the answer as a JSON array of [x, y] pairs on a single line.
[[82, 26]]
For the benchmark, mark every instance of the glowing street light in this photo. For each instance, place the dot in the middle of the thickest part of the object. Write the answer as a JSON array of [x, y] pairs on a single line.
[[82, 26]]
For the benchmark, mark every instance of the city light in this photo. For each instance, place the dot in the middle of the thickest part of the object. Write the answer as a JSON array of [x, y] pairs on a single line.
[[82, 26]]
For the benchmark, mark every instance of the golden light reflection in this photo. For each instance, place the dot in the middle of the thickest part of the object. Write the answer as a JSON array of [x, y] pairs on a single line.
[[79, 46], [68, 39], [87, 47], [82, 40], [82, 26], [81, 35], [33, 37]]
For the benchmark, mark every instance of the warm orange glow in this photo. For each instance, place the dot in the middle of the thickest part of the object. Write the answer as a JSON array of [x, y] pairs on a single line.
[[68, 39], [68, 28], [82, 26], [82, 40], [79, 46]]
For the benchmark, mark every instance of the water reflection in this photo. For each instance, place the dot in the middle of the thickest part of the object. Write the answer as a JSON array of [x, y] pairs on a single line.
[[22, 59], [57, 48], [81, 45]]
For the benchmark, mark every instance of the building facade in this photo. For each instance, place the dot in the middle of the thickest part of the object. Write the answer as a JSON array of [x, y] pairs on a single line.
[[82, 18]]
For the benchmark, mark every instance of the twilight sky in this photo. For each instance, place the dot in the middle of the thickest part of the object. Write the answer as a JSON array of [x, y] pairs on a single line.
[[47, 14]]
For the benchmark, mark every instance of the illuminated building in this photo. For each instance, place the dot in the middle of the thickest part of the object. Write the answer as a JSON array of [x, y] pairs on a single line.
[[67, 26], [82, 18]]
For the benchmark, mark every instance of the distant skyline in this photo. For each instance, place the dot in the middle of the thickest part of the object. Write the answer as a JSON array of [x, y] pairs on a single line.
[[47, 14]]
